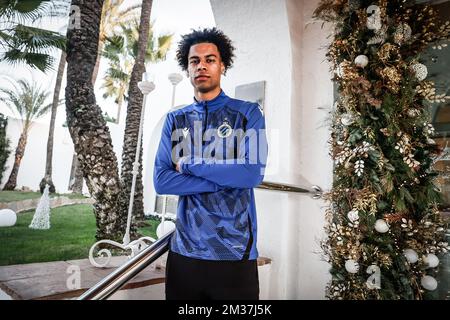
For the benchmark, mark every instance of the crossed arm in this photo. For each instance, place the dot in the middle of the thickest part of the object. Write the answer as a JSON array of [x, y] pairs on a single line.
[[202, 175]]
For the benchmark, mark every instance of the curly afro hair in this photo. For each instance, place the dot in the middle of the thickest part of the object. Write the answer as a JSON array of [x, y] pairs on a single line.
[[212, 35]]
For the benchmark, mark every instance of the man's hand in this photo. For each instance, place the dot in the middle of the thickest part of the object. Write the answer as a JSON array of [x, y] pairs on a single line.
[[179, 163], [146, 86]]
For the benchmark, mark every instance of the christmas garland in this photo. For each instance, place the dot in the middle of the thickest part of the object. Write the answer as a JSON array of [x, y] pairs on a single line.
[[384, 229]]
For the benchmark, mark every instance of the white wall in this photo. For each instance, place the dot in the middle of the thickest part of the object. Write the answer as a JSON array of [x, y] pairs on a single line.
[[273, 45], [32, 167]]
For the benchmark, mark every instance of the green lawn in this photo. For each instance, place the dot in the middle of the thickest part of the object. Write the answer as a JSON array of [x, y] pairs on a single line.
[[70, 236], [9, 196]]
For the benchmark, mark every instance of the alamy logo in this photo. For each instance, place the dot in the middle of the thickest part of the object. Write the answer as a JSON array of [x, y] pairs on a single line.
[[185, 132], [73, 281]]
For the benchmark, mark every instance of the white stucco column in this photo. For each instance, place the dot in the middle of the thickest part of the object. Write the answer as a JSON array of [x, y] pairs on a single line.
[[273, 45], [310, 164]]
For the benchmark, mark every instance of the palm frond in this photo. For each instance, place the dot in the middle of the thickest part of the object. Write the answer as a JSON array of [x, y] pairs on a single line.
[[20, 11], [31, 46], [37, 39], [27, 99], [42, 111], [117, 74], [114, 47], [41, 61]]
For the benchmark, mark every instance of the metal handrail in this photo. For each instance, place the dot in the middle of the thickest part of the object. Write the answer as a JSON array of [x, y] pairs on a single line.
[[114, 281], [117, 279], [315, 191]]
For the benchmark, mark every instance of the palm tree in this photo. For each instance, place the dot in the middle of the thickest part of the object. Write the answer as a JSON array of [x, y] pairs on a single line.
[[47, 179], [28, 101], [31, 47], [112, 15], [121, 50], [21, 43], [132, 126], [89, 132], [4, 144]]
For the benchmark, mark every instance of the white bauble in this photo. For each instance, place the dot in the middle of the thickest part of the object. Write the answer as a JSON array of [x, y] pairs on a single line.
[[8, 218], [361, 61], [347, 119], [420, 70], [429, 283], [411, 255], [353, 215], [402, 33], [431, 260], [351, 266], [381, 226]]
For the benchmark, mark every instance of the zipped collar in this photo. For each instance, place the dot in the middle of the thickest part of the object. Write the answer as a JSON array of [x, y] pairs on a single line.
[[219, 101]]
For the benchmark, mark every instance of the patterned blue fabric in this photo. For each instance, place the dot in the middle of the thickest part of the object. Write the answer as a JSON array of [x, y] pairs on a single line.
[[223, 150]]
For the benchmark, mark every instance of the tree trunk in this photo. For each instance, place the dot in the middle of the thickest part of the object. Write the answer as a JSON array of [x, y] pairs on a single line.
[[77, 185], [119, 108], [89, 132], [132, 127], [72, 171], [48, 166], [20, 150]]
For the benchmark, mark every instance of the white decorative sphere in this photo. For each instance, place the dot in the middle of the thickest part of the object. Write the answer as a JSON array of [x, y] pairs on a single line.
[[429, 283], [8, 218], [361, 61], [164, 228], [431, 260], [381, 226], [411, 255], [347, 119], [420, 70], [402, 33], [353, 215], [351, 266]]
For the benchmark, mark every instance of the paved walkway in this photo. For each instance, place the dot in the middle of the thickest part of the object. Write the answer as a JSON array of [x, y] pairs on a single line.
[[58, 279], [29, 204]]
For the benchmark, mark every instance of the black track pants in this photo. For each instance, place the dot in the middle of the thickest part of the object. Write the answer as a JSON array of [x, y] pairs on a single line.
[[196, 279]]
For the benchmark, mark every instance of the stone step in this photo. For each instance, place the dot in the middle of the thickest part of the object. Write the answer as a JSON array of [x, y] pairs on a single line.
[[57, 280]]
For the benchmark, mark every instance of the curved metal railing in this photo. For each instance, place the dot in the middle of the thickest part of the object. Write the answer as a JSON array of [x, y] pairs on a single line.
[[114, 281]]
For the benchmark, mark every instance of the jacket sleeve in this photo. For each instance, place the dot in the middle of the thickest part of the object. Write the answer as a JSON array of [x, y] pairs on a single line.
[[248, 172], [169, 181]]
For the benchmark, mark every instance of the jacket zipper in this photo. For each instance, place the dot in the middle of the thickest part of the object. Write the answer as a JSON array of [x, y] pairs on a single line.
[[206, 122]]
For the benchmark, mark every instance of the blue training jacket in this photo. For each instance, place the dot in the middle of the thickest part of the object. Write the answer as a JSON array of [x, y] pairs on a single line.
[[222, 146]]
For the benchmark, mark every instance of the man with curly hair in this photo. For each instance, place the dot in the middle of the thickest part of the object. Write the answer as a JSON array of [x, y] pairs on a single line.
[[212, 154]]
